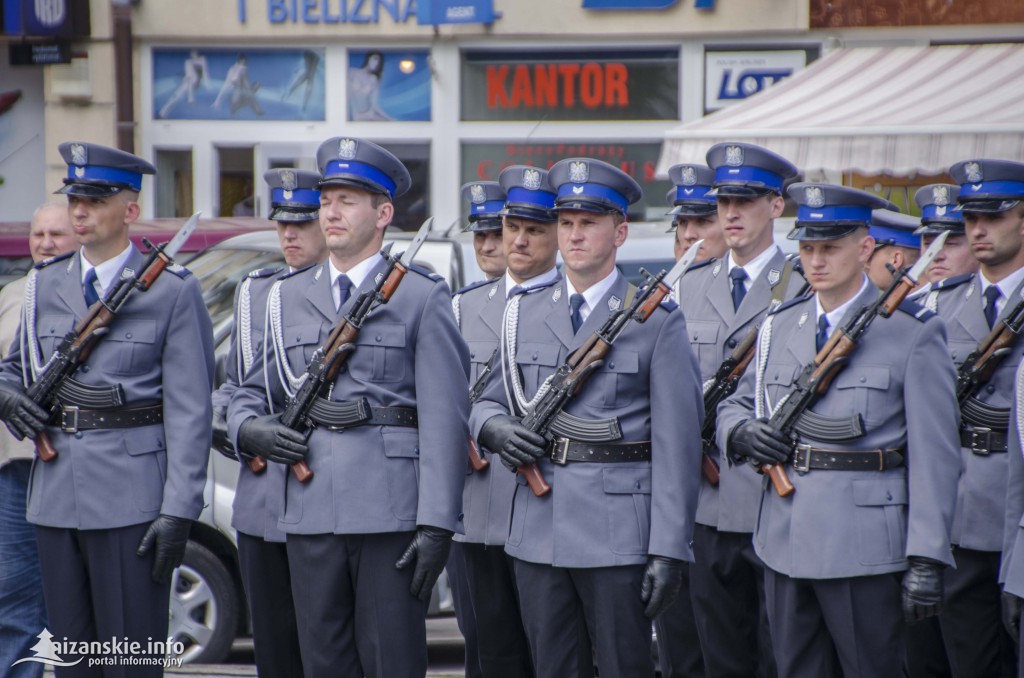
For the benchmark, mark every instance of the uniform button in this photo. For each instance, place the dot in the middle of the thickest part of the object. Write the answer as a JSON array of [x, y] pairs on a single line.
[[461, 516], [85, 368], [378, 338], [638, 484], [694, 338], [535, 356], [472, 355], [863, 379], [954, 355], [888, 495], [611, 366], [991, 388], [127, 335], [776, 375], [731, 343], [79, 435]]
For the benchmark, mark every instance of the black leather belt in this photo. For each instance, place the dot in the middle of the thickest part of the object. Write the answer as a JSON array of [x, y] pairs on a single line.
[[806, 458], [983, 441], [74, 419], [340, 415], [564, 450]]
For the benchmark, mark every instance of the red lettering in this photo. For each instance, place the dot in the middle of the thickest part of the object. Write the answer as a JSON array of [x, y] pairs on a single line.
[[649, 171], [483, 170], [497, 97], [616, 90], [522, 93], [545, 81], [591, 85], [568, 73]]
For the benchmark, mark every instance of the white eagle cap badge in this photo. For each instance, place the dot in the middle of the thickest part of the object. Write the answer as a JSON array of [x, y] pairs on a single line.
[[688, 176], [940, 195], [973, 171], [579, 172], [531, 179], [733, 156], [814, 196], [347, 149], [477, 194], [79, 156], [288, 181]]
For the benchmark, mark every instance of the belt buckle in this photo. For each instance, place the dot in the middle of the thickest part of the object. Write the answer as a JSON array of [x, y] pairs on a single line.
[[560, 451], [802, 451], [981, 441], [64, 425]]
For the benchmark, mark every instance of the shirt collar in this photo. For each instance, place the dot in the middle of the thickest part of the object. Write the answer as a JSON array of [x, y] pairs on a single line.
[[836, 315], [357, 274], [541, 279], [593, 294], [754, 266], [106, 271], [1006, 286]]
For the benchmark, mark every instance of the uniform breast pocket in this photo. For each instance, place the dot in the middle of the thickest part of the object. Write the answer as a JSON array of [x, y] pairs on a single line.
[[959, 350], [704, 342], [380, 353], [628, 501], [480, 352], [300, 343], [51, 329], [881, 508], [865, 389], [134, 341], [778, 381], [535, 361], [614, 385]]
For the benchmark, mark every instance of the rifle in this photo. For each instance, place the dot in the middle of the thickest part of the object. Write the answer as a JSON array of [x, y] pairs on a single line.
[[979, 366], [818, 375], [328, 360], [475, 460], [569, 378], [723, 385], [77, 345]]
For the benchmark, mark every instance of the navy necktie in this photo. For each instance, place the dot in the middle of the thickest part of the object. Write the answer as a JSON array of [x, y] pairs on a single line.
[[992, 295], [344, 286], [575, 303], [739, 290], [821, 338], [89, 288]]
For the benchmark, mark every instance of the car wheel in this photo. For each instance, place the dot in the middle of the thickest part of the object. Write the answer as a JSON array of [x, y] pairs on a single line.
[[204, 607]]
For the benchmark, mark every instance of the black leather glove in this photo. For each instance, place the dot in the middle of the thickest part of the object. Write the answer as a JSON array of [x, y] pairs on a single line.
[[170, 535], [662, 579], [23, 417], [267, 437], [760, 441], [429, 550], [922, 589], [517, 445], [221, 441], [1011, 614]]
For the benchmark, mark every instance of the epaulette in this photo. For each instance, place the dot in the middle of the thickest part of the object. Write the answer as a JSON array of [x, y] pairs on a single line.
[[179, 270], [955, 281], [792, 302], [52, 260], [427, 274], [700, 264], [669, 304], [473, 286], [915, 310], [298, 271], [264, 272]]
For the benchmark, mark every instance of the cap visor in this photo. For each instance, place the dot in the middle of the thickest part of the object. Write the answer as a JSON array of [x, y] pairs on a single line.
[[575, 203], [738, 191], [293, 215], [693, 210], [824, 231], [88, 190], [986, 206]]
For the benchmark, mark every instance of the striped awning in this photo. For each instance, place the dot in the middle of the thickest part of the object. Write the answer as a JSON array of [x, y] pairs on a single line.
[[892, 110]]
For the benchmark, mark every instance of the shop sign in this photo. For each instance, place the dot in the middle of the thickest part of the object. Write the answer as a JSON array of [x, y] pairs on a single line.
[[331, 11], [550, 86], [55, 18], [730, 77], [628, 4], [455, 12]]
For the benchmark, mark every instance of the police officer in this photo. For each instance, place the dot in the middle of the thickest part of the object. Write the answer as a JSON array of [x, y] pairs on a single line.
[[529, 243], [870, 509], [694, 212], [388, 469], [897, 245], [937, 203], [991, 195], [113, 510], [610, 538], [262, 558], [485, 203], [723, 301]]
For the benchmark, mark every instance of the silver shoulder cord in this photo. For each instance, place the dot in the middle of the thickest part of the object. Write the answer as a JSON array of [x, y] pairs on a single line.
[[762, 407], [244, 355], [289, 382], [510, 328], [931, 301], [457, 309], [28, 337], [1020, 405]]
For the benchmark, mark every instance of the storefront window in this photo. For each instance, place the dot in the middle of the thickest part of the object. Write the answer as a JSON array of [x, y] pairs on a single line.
[[413, 208], [236, 182], [388, 85], [174, 183]]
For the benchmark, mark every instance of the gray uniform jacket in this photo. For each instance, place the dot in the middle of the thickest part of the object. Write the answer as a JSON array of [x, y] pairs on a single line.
[[715, 329], [1011, 573], [851, 523], [258, 502], [487, 498], [607, 514], [160, 349], [981, 493], [371, 479]]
